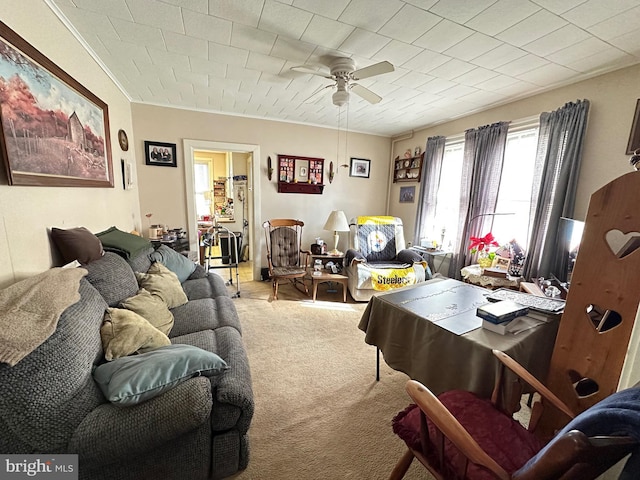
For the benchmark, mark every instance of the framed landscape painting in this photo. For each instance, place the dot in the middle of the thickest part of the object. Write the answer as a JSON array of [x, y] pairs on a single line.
[[54, 132]]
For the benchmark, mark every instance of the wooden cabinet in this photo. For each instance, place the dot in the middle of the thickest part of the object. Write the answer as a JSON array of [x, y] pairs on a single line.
[[300, 174], [407, 169]]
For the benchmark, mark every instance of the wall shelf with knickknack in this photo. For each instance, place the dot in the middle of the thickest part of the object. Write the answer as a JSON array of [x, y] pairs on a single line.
[[407, 169], [300, 174]]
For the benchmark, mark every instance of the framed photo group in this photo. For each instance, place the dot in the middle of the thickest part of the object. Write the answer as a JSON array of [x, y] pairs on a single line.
[[160, 154]]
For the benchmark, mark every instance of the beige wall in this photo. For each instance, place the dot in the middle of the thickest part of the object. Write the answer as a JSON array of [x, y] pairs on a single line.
[[162, 190], [613, 99], [27, 212]]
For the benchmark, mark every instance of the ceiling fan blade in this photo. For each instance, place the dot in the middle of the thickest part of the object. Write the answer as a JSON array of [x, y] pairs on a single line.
[[310, 71], [365, 93], [371, 70], [311, 98]]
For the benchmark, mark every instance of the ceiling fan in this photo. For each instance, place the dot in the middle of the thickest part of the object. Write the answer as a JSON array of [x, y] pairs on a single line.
[[343, 72]]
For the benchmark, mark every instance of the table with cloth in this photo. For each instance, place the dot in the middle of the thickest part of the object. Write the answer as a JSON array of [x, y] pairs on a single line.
[[404, 326]]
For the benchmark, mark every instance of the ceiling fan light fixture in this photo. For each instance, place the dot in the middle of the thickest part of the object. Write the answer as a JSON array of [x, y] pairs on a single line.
[[340, 98]]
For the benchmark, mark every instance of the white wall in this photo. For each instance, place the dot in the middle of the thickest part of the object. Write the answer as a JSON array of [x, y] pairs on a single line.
[[27, 212], [162, 190], [613, 99]]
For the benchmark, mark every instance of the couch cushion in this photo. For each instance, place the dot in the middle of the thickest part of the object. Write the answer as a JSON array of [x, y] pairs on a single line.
[[131, 380], [177, 263], [77, 244], [113, 278], [205, 314], [210, 286], [142, 261], [125, 332], [151, 308], [161, 281], [46, 395], [126, 244]]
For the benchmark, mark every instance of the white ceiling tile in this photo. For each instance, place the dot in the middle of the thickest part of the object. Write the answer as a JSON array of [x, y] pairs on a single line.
[[521, 65], [249, 38], [327, 33], [246, 12], [224, 54], [207, 27], [483, 98], [559, 6], [444, 35], [426, 61], [618, 25], [241, 74], [198, 79], [604, 60], [423, 4], [458, 91], [162, 57], [473, 46], [154, 14], [532, 28], [547, 75], [185, 45], [578, 51], [594, 11], [128, 50], [452, 69], [111, 8], [460, 11], [293, 50], [200, 6], [139, 34], [265, 63], [363, 42], [556, 40], [370, 14], [629, 42], [400, 25], [331, 9], [497, 83], [284, 19], [413, 80], [397, 52], [499, 56], [501, 15], [437, 85], [476, 76], [87, 22], [209, 67]]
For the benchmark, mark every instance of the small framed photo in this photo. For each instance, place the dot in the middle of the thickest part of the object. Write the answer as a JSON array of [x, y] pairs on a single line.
[[359, 167], [502, 263], [303, 172], [407, 194], [160, 154]]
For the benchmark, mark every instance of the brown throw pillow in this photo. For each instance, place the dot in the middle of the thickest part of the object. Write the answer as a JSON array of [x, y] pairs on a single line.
[[124, 332], [161, 281], [151, 308], [77, 244]]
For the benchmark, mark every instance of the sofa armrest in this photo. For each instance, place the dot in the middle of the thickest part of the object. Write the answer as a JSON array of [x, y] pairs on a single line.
[[353, 256], [409, 256], [110, 432], [199, 272]]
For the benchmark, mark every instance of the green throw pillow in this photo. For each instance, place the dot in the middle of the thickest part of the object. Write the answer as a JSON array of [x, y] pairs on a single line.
[[131, 380], [174, 261], [151, 308], [124, 332], [124, 243], [162, 282]]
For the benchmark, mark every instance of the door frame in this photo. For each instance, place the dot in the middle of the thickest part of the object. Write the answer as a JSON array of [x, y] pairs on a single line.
[[253, 191]]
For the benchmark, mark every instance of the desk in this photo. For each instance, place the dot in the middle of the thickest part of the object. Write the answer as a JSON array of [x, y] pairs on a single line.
[[439, 358]]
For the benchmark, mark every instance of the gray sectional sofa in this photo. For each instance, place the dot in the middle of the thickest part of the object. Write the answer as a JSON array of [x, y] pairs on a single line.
[[50, 402]]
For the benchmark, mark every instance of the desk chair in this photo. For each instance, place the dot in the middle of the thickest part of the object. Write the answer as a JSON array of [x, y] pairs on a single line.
[[460, 436], [287, 261]]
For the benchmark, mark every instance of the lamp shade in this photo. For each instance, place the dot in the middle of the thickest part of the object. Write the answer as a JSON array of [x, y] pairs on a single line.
[[337, 222]]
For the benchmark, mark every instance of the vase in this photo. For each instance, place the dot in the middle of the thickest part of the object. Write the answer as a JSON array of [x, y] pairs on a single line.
[[484, 260]]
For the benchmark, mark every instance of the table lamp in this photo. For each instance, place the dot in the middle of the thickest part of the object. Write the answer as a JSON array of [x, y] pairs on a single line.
[[337, 222]]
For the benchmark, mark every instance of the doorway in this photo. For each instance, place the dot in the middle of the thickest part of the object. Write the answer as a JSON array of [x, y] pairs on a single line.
[[250, 196]]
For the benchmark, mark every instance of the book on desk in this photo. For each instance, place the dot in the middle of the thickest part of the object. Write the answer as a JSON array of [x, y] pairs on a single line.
[[502, 311]]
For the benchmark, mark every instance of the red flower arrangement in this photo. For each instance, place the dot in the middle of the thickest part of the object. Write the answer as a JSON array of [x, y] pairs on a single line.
[[482, 244]]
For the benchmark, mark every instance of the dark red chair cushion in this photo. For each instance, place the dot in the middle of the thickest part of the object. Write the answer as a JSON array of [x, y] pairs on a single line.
[[501, 437]]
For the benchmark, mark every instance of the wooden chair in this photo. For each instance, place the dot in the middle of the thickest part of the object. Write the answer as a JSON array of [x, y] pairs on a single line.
[[287, 261], [460, 436]]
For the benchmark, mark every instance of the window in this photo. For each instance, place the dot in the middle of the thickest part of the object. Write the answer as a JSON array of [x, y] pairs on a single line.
[[202, 189], [514, 194], [445, 224]]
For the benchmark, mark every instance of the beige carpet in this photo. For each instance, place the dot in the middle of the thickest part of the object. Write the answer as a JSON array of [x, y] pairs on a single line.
[[320, 414]]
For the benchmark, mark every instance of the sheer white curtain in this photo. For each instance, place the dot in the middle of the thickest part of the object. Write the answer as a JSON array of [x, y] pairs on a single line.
[[555, 181], [430, 181], [481, 171]]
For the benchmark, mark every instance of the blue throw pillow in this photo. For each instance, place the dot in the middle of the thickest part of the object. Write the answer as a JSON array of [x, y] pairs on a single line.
[[174, 261], [130, 380]]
